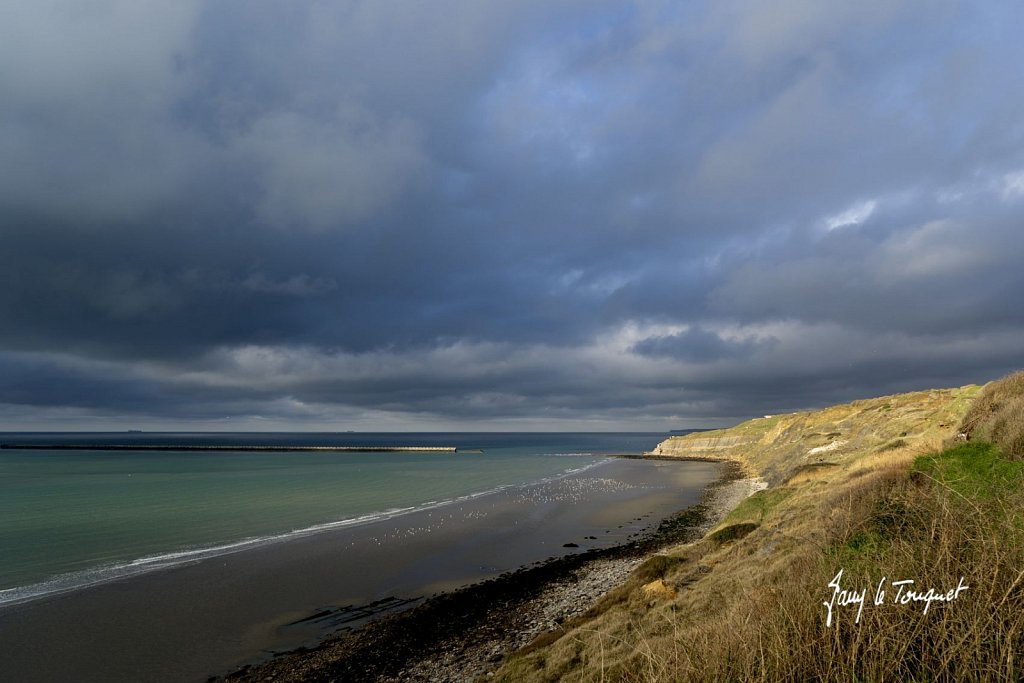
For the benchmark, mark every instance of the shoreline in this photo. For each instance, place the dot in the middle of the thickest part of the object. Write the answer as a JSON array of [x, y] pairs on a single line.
[[215, 615], [63, 584], [465, 634]]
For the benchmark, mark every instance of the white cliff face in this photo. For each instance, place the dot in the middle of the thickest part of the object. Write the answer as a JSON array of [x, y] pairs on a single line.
[[682, 446], [775, 447], [826, 448]]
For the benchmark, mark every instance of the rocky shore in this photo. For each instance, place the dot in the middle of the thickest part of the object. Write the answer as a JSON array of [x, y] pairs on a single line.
[[465, 634]]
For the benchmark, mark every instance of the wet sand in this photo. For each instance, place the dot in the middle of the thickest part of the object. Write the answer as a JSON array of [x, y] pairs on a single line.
[[215, 615]]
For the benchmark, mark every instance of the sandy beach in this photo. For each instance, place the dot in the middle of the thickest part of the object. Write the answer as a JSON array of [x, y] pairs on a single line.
[[212, 617]]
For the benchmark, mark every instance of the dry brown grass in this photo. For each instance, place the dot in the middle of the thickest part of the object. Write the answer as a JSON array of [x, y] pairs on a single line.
[[912, 528], [775, 448], [749, 606], [997, 415], [768, 623]]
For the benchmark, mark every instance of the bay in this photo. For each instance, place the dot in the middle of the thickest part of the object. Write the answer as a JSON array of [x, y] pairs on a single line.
[[73, 518]]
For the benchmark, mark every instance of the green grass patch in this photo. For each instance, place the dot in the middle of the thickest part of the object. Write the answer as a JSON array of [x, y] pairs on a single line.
[[865, 546], [859, 555], [975, 470], [656, 567], [732, 532], [958, 515], [755, 507]]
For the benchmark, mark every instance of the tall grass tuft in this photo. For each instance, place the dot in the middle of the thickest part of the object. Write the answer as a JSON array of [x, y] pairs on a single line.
[[997, 415]]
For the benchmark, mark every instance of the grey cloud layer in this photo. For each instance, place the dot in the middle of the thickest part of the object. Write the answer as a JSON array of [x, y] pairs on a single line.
[[589, 213]]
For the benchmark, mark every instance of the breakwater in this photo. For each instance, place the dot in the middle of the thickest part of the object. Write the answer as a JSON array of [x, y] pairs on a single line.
[[275, 449]]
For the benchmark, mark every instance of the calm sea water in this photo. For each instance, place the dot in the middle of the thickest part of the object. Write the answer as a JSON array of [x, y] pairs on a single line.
[[71, 518]]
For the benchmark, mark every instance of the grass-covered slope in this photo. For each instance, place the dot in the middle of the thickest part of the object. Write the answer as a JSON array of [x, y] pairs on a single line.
[[901, 497], [775, 446], [998, 416]]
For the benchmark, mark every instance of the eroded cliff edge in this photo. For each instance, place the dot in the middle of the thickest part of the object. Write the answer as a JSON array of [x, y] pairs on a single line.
[[775, 447]]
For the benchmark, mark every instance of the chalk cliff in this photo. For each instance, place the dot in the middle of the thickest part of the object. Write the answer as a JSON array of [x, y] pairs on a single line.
[[777, 446]]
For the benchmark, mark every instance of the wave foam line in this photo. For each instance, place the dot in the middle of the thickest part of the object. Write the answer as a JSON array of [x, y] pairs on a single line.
[[72, 581]]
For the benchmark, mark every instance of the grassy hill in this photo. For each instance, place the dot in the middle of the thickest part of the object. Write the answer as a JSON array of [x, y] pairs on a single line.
[[923, 487], [777, 446]]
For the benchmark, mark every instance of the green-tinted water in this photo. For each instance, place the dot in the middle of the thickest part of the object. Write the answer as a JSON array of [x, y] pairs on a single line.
[[74, 513]]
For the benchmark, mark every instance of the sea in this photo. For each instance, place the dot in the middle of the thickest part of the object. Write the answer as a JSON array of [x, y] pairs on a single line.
[[74, 518]]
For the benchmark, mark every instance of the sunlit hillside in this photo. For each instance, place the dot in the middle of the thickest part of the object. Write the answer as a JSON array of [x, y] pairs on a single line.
[[886, 490]]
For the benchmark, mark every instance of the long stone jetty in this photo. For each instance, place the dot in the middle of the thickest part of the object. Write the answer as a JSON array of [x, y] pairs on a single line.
[[169, 447]]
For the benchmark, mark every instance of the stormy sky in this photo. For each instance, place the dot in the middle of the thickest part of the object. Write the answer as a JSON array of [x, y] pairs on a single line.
[[512, 214]]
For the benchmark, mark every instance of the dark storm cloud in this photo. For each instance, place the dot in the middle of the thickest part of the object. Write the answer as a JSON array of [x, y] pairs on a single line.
[[699, 346], [456, 213]]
